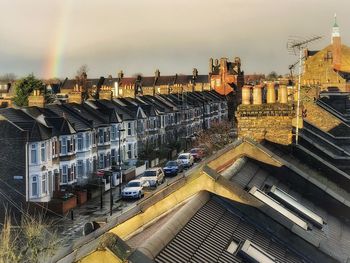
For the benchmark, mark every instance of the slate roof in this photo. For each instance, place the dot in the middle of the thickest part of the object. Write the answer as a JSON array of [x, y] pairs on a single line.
[[87, 113], [148, 81], [165, 80], [37, 131], [183, 79], [207, 235], [122, 112], [79, 123], [110, 82], [127, 82], [202, 79], [108, 114]]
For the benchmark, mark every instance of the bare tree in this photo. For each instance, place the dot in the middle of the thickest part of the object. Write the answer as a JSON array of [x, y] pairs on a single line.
[[217, 136], [30, 242], [82, 70]]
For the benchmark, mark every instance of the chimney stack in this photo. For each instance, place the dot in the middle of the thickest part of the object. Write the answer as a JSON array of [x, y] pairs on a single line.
[[195, 73], [282, 94], [120, 74], [210, 65], [271, 94], [257, 95], [157, 73], [246, 95]]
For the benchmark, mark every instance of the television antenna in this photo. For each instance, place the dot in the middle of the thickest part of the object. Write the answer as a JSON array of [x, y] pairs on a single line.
[[295, 45]]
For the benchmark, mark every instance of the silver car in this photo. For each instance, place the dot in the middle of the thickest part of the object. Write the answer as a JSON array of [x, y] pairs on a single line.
[[134, 189]]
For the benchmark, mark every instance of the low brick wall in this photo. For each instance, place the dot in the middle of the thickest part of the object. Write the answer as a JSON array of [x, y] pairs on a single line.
[[272, 122], [81, 197], [61, 206]]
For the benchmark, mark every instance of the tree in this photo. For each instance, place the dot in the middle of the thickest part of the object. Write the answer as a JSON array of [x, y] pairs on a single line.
[[31, 241], [83, 69], [217, 136], [24, 87], [272, 75]]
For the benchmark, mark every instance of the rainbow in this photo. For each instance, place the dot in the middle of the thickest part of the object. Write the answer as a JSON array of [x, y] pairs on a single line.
[[54, 59]]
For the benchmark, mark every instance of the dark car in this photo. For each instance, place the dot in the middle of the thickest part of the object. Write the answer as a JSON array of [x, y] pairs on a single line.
[[173, 168]]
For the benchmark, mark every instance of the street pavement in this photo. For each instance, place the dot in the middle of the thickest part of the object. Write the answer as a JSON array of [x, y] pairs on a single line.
[[70, 227]]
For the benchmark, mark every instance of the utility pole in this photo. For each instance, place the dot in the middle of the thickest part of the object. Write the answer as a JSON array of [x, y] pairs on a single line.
[[292, 46]]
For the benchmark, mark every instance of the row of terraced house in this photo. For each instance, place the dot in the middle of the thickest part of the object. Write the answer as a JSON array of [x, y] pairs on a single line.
[[47, 149]]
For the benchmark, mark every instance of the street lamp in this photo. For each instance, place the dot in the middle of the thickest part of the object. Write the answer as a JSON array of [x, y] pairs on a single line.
[[120, 163]]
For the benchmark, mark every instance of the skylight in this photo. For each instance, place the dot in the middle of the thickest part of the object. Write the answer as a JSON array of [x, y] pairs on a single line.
[[254, 253], [278, 207], [233, 246], [294, 205]]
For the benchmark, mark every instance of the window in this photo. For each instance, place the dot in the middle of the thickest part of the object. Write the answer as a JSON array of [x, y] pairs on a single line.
[[100, 135], [87, 167], [33, 154], [108, 160], [232, 247], [80, 168], [87, 140], [129, 151], [255, 253], [129, 128], [113, 155], [35, 190], [273, 204], [43, 152], [80, 142], [100, 161], [114, 133], [44, 183], [73, 173], [64, 178], [291, 203], [64, 145]]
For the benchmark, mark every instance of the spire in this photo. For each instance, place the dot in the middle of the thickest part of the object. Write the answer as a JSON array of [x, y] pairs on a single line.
[[335, 29], [335, 21]]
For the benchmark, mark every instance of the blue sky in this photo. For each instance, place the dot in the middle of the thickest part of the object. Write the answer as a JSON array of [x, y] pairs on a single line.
[[139, 36]]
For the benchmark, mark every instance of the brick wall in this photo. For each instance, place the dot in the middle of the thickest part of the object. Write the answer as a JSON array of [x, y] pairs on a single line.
[[272, 122], [12, 167]]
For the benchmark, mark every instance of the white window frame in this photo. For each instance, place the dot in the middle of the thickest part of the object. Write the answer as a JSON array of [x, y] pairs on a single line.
[[33, 157], [36, 177], [80, 141], [64, 145], [43, 152], [44, 184], [64, 174]]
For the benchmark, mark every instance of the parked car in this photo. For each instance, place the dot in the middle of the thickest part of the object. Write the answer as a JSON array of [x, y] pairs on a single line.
[[197, 153], [173, 168], [134, 189], [186, 159], [204, 148], [154, 176]]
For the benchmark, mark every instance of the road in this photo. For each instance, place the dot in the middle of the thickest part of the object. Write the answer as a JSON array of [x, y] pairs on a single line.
[[69, 230]]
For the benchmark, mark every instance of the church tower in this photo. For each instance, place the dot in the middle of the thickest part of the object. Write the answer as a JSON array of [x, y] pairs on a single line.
[[336, 45]]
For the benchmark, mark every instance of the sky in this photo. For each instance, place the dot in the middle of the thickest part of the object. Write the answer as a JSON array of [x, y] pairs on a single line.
[[53, 38]]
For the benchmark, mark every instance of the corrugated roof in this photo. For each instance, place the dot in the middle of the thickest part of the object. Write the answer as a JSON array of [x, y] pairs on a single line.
[[206, 237]]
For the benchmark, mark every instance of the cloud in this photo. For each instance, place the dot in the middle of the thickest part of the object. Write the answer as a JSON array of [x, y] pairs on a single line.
[[174, 36]]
